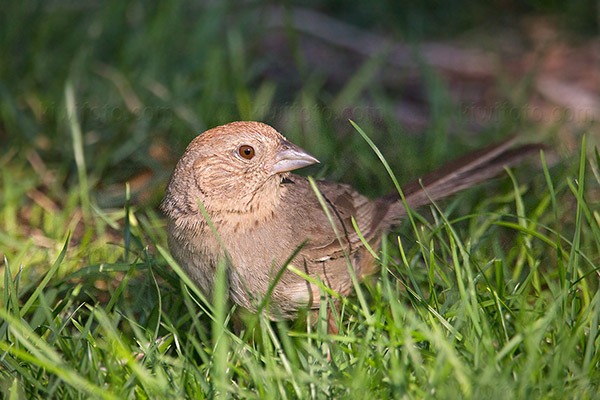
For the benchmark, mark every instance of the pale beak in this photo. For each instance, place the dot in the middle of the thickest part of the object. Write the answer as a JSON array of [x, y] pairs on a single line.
[[291, 157]]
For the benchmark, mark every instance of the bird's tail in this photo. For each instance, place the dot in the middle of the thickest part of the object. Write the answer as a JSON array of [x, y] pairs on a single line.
[[462, 173]]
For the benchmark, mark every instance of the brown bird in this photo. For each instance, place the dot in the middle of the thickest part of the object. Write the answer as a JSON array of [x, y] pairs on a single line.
[[240, 173]]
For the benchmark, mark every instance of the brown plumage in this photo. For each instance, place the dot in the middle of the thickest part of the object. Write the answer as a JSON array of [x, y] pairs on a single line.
[[263, 213]]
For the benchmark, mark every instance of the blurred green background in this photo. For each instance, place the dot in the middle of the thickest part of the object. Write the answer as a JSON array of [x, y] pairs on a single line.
[[149, 76], [99, 99]]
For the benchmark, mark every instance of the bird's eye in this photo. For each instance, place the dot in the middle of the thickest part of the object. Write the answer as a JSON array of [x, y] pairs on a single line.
[[246, 151]]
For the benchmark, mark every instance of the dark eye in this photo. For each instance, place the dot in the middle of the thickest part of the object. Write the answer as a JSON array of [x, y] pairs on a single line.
[[246, 151]]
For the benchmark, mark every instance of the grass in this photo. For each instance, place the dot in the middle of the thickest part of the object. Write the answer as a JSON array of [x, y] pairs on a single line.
[[483, 295]]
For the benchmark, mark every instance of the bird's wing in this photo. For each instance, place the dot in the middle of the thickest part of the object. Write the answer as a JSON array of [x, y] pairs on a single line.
[[342, 203], [328, 251]]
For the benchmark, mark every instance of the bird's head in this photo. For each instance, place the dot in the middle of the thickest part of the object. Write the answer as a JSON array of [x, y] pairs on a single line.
[[235, 167]]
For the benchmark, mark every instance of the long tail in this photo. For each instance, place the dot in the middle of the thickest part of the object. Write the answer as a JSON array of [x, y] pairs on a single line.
[[457, 175]]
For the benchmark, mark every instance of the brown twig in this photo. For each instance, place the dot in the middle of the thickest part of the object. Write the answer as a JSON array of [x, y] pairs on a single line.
[[465, 62]]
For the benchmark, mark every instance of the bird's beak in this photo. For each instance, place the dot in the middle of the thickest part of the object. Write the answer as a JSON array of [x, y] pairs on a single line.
[[291, 157]]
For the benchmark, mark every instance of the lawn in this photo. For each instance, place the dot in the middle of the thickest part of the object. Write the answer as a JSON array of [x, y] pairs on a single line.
[[492, 293]]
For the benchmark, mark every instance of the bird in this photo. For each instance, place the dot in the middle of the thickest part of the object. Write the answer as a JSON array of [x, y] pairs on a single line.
[[232, 196]]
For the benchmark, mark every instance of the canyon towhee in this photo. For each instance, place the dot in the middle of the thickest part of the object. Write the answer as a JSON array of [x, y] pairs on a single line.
[[240, 173]]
